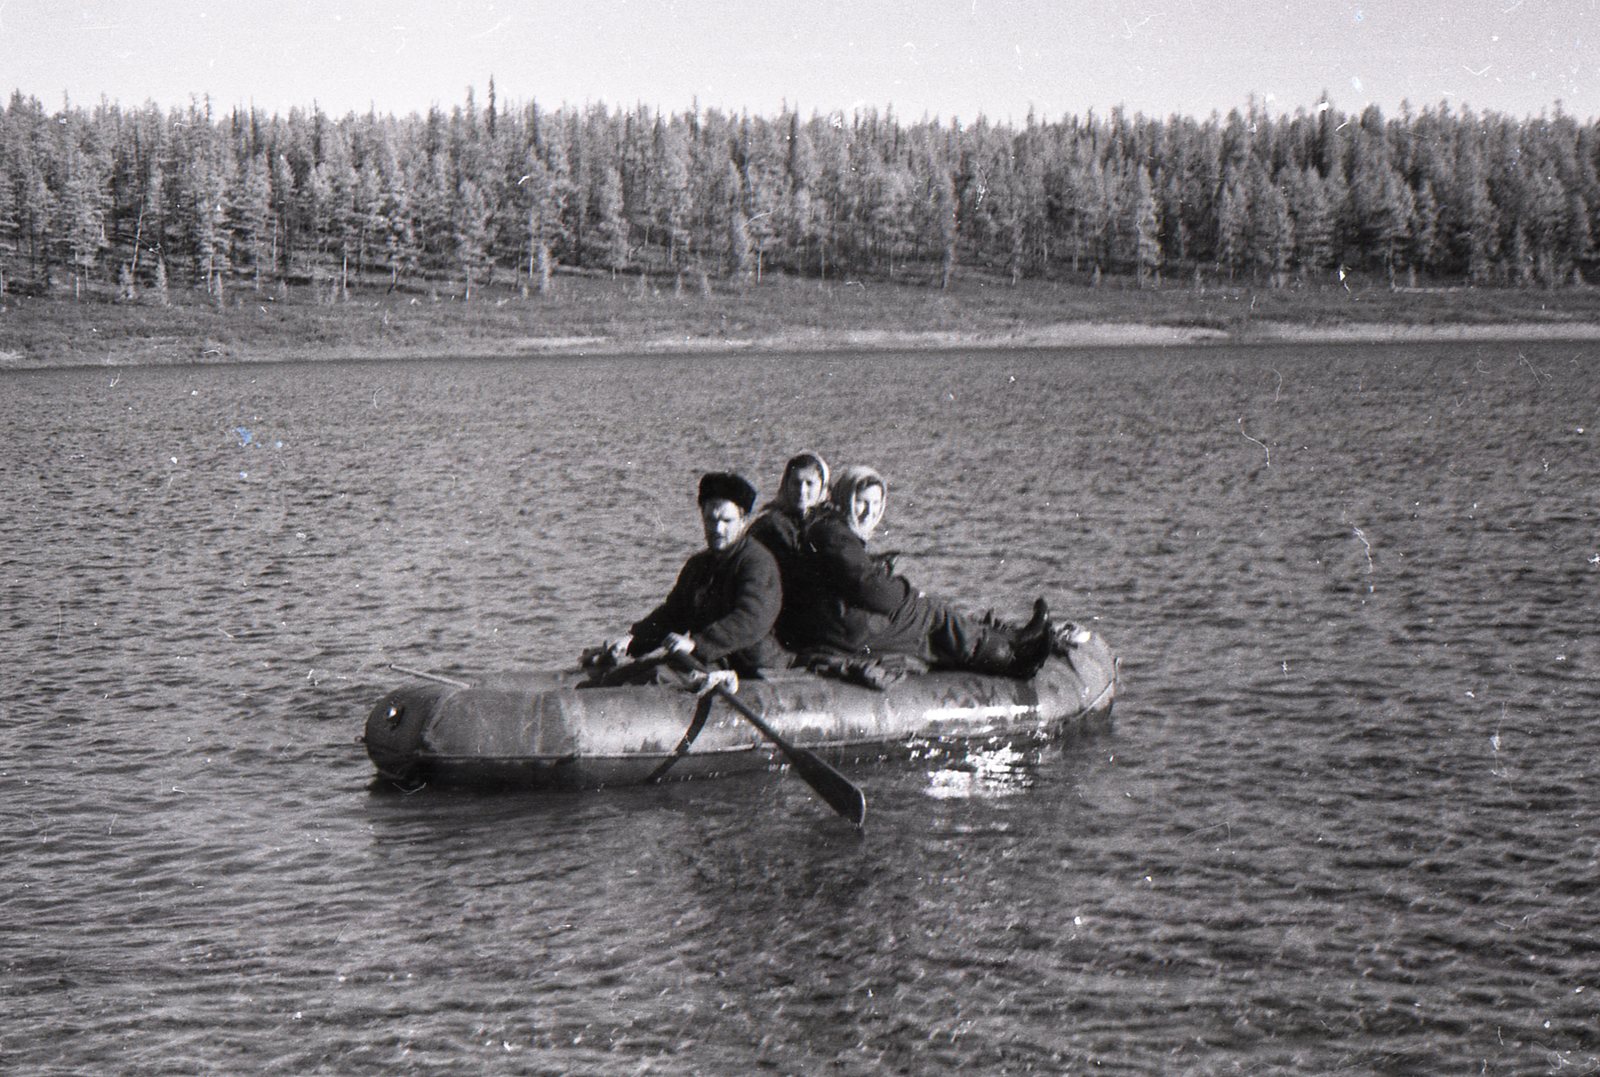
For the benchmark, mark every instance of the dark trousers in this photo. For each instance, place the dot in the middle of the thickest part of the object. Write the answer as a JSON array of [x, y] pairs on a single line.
[[931, 630]]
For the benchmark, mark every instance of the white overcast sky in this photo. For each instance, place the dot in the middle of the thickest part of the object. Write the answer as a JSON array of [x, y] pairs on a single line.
[[936, 58]]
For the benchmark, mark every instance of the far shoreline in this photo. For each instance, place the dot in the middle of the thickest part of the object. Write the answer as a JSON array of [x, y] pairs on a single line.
[[1063, 336], [633, 316]]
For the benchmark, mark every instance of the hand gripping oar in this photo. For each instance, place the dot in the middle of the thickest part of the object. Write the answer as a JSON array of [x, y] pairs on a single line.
[[841, 794]]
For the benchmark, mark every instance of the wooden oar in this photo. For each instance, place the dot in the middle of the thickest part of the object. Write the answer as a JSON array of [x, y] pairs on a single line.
[[425, 675], [840, 792]]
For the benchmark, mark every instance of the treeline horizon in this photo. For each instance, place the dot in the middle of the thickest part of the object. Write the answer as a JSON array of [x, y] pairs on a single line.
[[137, 202]]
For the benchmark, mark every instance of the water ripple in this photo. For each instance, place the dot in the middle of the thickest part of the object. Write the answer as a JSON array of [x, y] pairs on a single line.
[[1344, 820]]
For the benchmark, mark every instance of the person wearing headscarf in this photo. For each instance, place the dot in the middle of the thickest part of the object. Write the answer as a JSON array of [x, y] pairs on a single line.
[[801, 491], [854, 605], [721, 610]]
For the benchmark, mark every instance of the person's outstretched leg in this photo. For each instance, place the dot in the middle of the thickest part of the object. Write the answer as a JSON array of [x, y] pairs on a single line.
[[969, 643]]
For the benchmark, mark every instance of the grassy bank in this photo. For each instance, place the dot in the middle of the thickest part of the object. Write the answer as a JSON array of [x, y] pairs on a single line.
[[598, 314]]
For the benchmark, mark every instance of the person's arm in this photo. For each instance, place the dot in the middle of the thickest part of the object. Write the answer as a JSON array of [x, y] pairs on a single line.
[[860, 579], [671, 616], [757, 597]]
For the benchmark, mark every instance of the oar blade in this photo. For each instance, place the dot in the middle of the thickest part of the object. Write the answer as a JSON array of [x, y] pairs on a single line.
[[840, 792], [842, 795]]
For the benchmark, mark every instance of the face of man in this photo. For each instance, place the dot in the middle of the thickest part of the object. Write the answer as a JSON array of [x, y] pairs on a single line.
[[866, 510], [802, 490], [724, 523]]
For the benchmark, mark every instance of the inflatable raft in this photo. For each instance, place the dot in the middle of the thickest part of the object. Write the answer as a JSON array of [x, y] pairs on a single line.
[[542, 730]]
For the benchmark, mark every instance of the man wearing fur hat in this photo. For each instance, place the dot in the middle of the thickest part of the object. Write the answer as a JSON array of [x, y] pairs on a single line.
[[721, 610]]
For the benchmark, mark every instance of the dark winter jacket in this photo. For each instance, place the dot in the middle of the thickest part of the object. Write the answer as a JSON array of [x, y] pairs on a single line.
[[779, 530], [728, 602], [850, 601]]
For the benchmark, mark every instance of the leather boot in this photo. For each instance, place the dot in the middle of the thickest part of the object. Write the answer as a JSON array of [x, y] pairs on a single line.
[[1040, 621], [1033, 645], [993, 654], [998, 653]]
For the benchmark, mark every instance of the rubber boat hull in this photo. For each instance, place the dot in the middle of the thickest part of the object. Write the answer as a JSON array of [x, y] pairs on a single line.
[[540, 730]]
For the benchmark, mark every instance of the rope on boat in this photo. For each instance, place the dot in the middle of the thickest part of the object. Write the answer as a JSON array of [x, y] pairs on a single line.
[[1116, 664]]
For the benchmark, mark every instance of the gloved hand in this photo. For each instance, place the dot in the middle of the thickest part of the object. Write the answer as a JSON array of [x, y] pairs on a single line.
[[678, 644], [711, 680], [608, 654]]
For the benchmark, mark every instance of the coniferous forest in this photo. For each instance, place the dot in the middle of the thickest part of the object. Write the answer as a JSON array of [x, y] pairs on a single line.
[[141, 202]]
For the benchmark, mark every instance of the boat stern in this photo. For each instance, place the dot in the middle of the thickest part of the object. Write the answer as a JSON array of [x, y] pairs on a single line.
[[395, 729]]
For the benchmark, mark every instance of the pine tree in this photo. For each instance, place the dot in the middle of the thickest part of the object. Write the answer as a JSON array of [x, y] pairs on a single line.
[[1145, 223], [1517, 267], [886, 207], [1424, 249], [1202, 187], [741, 254], [393, 224], [367, 224], [1543, 217], [1168, 184], [285, 221], [435, 189], [760, 204], [251, 213], [345, 219], [1271, 231], [1480, 232], [832, 209], [1576, 241], [610, 227], [1028, 179], [8, 205], [796, 210], [471, 234], [1096, 210], [672, 207], [1233, 225], [203, 183], [1380, 203], [946, 207], [36, 216], [81, 211], [1312, 219], [974, 182], [543, 193], [161, 296]]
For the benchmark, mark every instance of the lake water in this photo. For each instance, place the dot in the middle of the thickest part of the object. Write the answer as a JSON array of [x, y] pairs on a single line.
[[1346, 818]]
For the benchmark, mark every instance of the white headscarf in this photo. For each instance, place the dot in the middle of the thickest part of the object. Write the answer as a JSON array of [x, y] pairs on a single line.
[[805, 458], [852, 479]]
